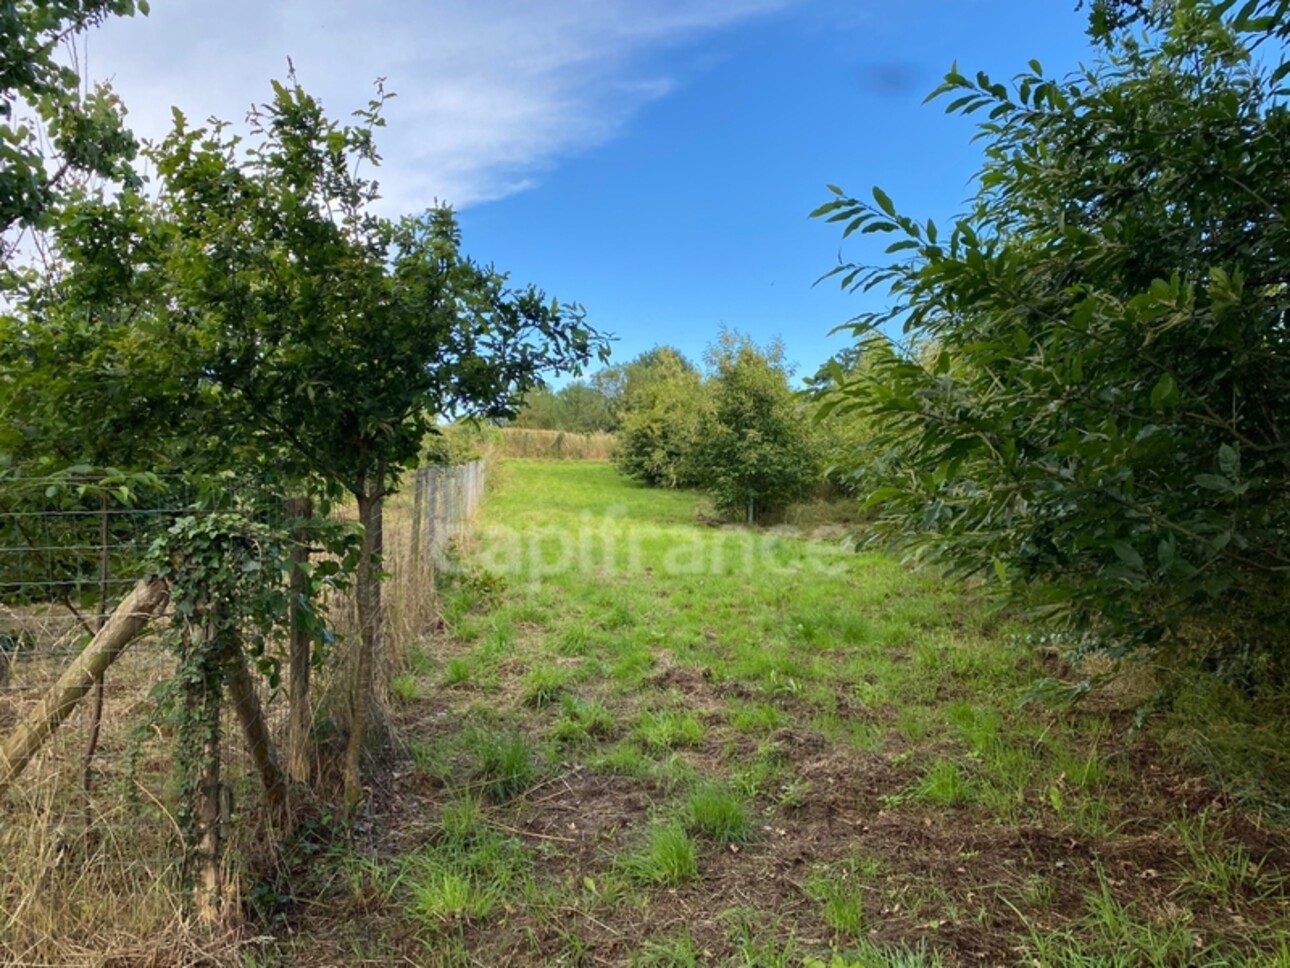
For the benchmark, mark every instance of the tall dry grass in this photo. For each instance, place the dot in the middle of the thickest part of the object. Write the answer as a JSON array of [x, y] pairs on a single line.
[[96, 879], [555, 444]]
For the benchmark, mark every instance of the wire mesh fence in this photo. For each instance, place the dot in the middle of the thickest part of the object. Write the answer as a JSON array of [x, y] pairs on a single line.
[[444, 500], [92, 824]]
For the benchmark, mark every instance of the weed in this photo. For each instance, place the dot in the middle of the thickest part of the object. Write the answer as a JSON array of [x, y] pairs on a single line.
[[575, 640], [945, 785], [405, 687], [583, 720], [456, 672], [869, 954], [447, 895], [419, 661], [506, 764], [1219, 872], [756, 717], [840, 900], [677, 952]]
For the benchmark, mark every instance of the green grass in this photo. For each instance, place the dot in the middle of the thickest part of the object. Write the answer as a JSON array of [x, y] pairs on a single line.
[[406, 687], [668, 729], [718, 814], [945, 784], [668, 858], [637, 716], [544, 685], [505, 763]]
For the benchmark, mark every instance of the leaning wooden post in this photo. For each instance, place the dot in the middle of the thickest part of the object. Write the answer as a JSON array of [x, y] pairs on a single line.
[[299, 756], [131, 616]]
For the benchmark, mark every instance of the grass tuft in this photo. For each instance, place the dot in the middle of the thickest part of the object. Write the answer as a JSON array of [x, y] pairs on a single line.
[[668, 858], [718, 814]]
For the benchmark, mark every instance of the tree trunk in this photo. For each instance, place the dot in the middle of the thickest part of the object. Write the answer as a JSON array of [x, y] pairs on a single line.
[[129, 619], [209, 901], [241, 689], [299, 752], [368, 595]]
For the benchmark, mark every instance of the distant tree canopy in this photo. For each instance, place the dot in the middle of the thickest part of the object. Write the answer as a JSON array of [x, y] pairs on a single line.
[[660, 404], [756, 451], [578, 407], [1105, 427]]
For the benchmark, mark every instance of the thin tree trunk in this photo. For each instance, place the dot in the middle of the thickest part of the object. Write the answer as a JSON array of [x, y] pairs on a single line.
[[129, 619], [246, 703], [368, 594], [299, 752], [210, 810]]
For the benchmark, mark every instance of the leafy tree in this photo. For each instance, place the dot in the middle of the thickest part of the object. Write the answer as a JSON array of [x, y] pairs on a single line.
[[1105, 427], [582, 409], [846, 433], [660, 405], [756, 451], [540, 410], [87, 134], [282, 324], [338, 335]]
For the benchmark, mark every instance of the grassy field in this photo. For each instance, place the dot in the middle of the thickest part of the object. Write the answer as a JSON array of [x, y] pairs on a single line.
[[645, 740]]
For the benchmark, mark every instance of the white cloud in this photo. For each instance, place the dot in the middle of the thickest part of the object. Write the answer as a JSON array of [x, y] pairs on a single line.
[[490, 92]]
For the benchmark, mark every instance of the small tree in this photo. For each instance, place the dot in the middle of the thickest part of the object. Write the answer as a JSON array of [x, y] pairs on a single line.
[[337, 336], [756, 452], [660, 405], [279, 324]]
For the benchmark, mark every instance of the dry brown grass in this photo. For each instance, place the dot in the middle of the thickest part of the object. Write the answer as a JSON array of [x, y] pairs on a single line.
[[96, 880], [556, 445]]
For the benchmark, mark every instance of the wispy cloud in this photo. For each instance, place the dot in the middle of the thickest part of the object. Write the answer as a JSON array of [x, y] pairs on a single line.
[[490, 92]]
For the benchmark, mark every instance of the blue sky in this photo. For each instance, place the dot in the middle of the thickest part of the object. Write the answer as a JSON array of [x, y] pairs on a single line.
[[654, 160]]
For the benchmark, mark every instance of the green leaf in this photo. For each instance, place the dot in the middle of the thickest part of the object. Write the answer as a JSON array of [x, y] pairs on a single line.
[[1127, 554], [1229, 461], [1214, 482], [1165, 392], [884, 202]]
